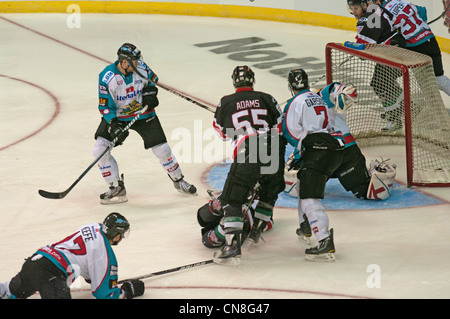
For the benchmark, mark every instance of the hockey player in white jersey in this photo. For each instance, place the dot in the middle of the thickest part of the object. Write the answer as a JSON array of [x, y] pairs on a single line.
[[122, 93], [411, 20], [308, 128], [87, 253], [373, 183]]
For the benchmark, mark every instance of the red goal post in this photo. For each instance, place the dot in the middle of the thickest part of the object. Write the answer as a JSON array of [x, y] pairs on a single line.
[[398, 103]]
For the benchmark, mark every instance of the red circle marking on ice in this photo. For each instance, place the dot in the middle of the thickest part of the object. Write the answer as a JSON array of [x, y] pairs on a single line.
[[55, 113]]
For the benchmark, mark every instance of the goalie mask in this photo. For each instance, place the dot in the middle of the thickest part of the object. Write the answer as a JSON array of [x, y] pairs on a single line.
[[243, 76], [115, 224], [298, 80]]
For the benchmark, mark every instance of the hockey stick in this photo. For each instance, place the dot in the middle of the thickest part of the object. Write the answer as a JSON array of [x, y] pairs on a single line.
[[171, 90], [168, 271], [63, 194], [189, 266], [441, 16]]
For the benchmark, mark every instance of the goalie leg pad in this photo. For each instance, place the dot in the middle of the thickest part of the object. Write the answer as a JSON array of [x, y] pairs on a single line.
[[380, 186], [210, 214], [290, 183]]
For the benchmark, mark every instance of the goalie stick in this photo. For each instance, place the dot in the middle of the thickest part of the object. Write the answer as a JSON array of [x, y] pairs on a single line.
[[59, 195]]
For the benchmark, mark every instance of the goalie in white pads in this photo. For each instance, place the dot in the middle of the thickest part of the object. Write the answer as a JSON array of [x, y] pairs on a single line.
[[375, 183]]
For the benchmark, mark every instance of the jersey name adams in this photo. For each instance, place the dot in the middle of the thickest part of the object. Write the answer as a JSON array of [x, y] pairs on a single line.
[[245, 104]]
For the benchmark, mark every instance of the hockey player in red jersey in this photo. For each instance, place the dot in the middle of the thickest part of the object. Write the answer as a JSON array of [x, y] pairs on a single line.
[[252, 121], [87, 253]]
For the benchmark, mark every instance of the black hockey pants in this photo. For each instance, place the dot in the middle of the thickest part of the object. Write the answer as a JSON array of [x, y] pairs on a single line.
[[42, 276]]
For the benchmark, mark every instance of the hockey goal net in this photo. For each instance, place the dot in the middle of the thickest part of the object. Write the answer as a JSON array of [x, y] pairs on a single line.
[[398, 103]]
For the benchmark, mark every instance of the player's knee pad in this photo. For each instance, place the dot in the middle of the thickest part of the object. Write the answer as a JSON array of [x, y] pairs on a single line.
[[162, 151], [311, 205], [233, 219], [210, 214], [99, 147], [312, 183], [316, 215]]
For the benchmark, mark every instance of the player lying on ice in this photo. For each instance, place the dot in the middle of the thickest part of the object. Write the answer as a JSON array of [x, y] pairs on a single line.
[[87, 253], [252, 121]]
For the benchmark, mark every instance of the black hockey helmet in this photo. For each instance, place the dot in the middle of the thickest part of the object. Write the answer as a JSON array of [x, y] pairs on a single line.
[[128, 51], [298, 80], [351, 3], [115, 224], [356, 2], [243, 76]]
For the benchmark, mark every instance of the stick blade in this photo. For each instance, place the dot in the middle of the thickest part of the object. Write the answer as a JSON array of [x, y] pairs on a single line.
[[51, 195]]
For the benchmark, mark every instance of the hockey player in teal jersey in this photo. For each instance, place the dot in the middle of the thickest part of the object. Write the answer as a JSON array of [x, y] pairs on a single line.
[[411, 21], [307, 126], [123, 92], [375, 183], [352, 173], [87, 253]]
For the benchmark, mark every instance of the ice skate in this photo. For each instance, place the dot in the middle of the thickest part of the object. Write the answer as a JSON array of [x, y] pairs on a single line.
[[304, 232], [115, 194], [324, 251], [4, 291], [394, 120], [257, 229], [184, 187], [230, 254], [392, 127]]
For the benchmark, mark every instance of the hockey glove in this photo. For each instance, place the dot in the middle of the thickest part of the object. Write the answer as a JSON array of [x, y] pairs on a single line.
[[294, 161], [133, 288], [149, 96], [115, 130]]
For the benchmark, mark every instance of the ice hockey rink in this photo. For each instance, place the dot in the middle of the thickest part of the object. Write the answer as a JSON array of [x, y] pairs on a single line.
[[399, 248]]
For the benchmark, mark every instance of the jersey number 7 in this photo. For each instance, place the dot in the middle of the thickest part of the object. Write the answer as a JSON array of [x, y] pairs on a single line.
[[319, 109]]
